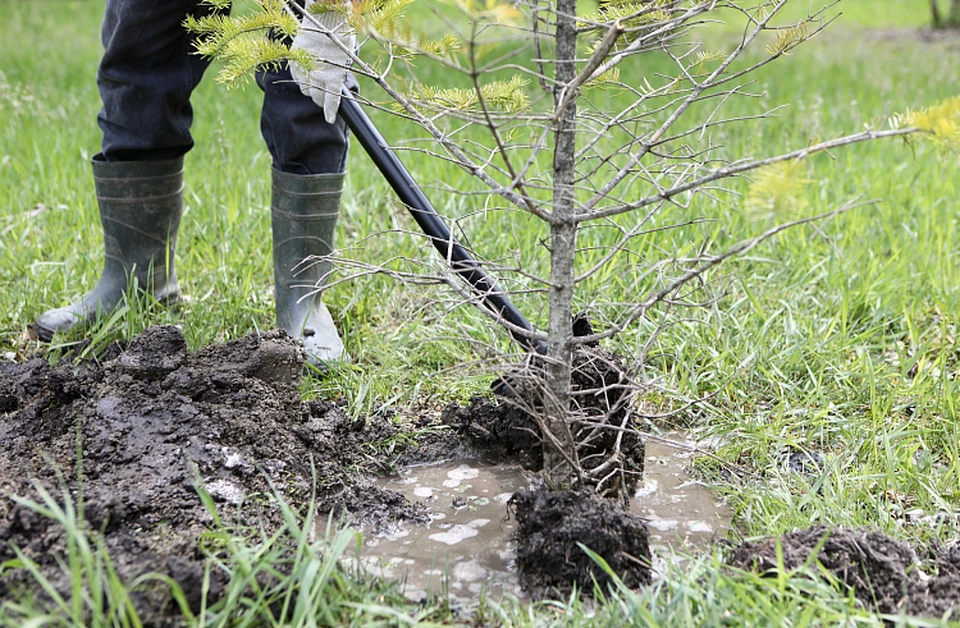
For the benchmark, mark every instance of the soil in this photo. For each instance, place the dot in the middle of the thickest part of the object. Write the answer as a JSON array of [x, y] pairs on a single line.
[[154, 422], [882, 572], [506, 427], [553, 524]]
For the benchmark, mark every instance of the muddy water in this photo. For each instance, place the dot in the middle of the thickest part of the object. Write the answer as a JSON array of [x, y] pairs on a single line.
[[466, 548], [681, 513]]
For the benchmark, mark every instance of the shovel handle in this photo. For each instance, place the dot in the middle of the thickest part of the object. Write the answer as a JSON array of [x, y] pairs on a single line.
[[432, 223]]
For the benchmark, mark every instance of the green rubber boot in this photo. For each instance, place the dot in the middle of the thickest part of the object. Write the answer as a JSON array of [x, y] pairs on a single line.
[[140, 204], [304, 215]]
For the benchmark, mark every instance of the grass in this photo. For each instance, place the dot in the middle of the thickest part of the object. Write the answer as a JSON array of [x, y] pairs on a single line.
[[840, 339]]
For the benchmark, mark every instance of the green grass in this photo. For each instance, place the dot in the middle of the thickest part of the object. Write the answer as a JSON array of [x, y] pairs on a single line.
[[840, 339]]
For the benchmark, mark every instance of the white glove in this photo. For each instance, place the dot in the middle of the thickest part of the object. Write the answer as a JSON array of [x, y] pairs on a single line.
[[324, 82]]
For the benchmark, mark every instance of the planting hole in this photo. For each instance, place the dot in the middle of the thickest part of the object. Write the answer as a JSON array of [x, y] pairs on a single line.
[[467, 545]]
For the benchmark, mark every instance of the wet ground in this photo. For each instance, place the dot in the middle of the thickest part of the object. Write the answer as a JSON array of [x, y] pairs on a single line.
[[681, 512], [156, 422], [467, 546]]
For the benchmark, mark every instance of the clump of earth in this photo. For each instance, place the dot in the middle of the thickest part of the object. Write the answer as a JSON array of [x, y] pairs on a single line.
[[883, 573], [603, 419], [552, 526]]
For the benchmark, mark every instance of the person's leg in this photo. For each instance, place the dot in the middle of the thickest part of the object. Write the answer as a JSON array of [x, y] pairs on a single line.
[[309, 158], [145, 78], [298, 137]]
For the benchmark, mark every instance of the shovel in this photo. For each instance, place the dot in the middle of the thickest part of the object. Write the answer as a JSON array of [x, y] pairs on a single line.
[[432, 224]]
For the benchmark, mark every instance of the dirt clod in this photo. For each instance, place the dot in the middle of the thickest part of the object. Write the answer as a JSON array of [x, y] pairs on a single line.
[[603, 420], [884, 573], [551, 524], [502, 431]]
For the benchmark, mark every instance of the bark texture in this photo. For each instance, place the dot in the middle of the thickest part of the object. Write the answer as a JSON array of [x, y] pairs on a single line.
[[560, 453]]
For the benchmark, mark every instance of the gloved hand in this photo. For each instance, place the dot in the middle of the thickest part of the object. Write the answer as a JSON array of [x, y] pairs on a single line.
[[324, 82]]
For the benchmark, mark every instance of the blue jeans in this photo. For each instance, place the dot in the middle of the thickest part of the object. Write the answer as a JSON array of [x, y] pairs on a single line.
[[146, 77]]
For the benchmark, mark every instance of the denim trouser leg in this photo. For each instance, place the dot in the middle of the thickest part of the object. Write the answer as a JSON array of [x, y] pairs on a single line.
[[149, 71], [146, 77], [298, 136]]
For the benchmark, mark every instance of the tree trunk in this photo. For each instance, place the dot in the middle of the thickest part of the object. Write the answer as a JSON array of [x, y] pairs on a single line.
[[563, 244], [954, 19], [935, 14]]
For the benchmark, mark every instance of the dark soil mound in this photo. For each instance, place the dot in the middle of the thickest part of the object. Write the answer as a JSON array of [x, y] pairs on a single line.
[[550, 524], [499, 429], [153, 421], [604, 421], [882, 572]]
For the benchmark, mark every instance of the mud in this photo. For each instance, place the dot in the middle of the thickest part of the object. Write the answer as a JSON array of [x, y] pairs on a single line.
[[506, 428], [154, 423], [609, 450], [552, 526], [884, 574], [466, 549], [680, 512]]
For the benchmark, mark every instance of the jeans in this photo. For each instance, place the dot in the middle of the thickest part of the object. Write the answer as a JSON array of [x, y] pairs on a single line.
[[149, 71]]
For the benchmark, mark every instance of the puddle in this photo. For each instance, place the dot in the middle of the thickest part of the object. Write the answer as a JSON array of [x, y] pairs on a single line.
[[466, 548], [681, 513]]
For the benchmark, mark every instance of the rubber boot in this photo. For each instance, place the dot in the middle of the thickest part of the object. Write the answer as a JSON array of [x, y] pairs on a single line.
[[304, 216], [140, 204]]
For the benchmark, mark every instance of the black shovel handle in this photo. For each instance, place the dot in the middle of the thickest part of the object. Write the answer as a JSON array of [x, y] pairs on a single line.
[[430, 221]]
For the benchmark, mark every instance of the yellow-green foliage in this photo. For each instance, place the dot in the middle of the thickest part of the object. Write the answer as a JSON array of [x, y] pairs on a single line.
[[940, 123], [387, 21], [383, 17], [605, 79], [708, 56], [404, 42], [631, 12], [778, 188], [786, 39], [318, 8], [241, 42], [508, 96], [490, 10], [633, 15]]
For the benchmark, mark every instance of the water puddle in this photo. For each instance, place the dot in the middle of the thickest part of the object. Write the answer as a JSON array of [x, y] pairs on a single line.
[[466, 548], [681, 512]]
